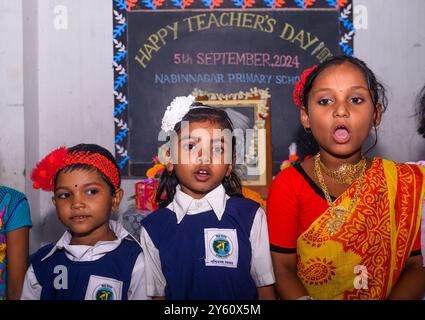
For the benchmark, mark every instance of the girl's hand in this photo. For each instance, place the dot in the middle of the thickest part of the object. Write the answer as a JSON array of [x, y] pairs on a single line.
[[288, 285], [411, 284]]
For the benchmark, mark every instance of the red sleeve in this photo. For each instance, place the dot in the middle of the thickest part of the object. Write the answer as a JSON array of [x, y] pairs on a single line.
[[282, 212]]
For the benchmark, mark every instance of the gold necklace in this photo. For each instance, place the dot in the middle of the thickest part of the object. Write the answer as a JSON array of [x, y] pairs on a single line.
[[346, 173], [340, 213]]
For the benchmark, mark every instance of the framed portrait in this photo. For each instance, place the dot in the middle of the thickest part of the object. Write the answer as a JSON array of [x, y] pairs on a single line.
[[250, 115]]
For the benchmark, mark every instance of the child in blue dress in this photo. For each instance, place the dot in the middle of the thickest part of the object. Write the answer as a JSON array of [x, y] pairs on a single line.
[[206, 241], [96, 258], [15, 221]]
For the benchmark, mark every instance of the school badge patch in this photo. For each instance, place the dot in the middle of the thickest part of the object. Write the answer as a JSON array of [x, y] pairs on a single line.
[[221, 247], [101, 288]]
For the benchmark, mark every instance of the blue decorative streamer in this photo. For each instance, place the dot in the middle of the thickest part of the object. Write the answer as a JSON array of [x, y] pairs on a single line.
[[346, 48], [269, 3], [238, 3], [120, 81], [119, 30], [149, 4], [121, 135], [121, 4], [121, 107], [346, 23], [207, 3], [119, 56], [122, 163], [300, 3], [177, 3]]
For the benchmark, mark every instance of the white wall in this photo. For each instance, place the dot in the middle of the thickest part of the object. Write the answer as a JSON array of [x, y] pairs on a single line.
[[56, 85], [393, 45], [11, 95], [68, 92]]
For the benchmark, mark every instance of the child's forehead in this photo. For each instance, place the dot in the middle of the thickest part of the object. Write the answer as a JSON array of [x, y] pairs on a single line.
[[203, 129], [334, 75], [206, 124], [78, 175], [346, 68]]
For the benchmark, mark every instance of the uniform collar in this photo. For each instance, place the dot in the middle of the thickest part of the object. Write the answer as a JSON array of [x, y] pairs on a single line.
[[184, 204], [100, 247]]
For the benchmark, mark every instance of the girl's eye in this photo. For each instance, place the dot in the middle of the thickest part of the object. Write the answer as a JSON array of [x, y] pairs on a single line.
[[357, 100], [188, 146], [62, 195], [92, 192], [324, 101]]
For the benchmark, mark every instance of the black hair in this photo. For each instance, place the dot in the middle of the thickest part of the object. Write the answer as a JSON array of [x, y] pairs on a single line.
[[92, 148], [421, 112], [376, 88], [201, 113]]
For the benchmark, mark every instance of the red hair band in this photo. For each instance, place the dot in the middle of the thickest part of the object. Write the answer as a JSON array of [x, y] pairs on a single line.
[[45, 171], [299, 87]]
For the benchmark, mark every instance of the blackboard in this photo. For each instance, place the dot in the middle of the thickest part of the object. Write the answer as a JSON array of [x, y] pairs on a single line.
[[172, 52]]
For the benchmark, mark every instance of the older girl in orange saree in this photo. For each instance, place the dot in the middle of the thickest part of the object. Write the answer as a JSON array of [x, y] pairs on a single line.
[[343, 226]]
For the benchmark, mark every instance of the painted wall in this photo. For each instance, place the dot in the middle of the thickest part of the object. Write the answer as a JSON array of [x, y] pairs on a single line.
[[68, 85], [392, 42], [56, 84], [12, 161]]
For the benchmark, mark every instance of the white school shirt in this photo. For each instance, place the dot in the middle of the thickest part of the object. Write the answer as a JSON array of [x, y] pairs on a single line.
[[137, 290], [261, 263]]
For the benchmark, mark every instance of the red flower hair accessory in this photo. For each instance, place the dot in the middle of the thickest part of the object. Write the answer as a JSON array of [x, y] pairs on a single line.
[[45, 171], [299, 87]]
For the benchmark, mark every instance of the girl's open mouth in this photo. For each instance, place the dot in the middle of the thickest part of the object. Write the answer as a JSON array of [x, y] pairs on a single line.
[[80, 218], [202, 175], [341, 134]]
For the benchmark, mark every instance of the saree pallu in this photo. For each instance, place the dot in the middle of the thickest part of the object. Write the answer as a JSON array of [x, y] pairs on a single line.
[[364, 259]]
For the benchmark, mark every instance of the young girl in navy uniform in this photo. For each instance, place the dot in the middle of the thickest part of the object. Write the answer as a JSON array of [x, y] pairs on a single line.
[[206, 241], [95, 259]]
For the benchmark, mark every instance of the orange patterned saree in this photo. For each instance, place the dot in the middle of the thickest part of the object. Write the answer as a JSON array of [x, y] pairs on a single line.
[[364, 259]]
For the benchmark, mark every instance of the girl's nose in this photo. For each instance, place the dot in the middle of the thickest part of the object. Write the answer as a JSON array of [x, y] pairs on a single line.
[[341, 110], [77, 203], [203, 157]]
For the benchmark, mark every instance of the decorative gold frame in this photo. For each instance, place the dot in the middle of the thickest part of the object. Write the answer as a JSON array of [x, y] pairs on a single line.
[[259, 100]]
